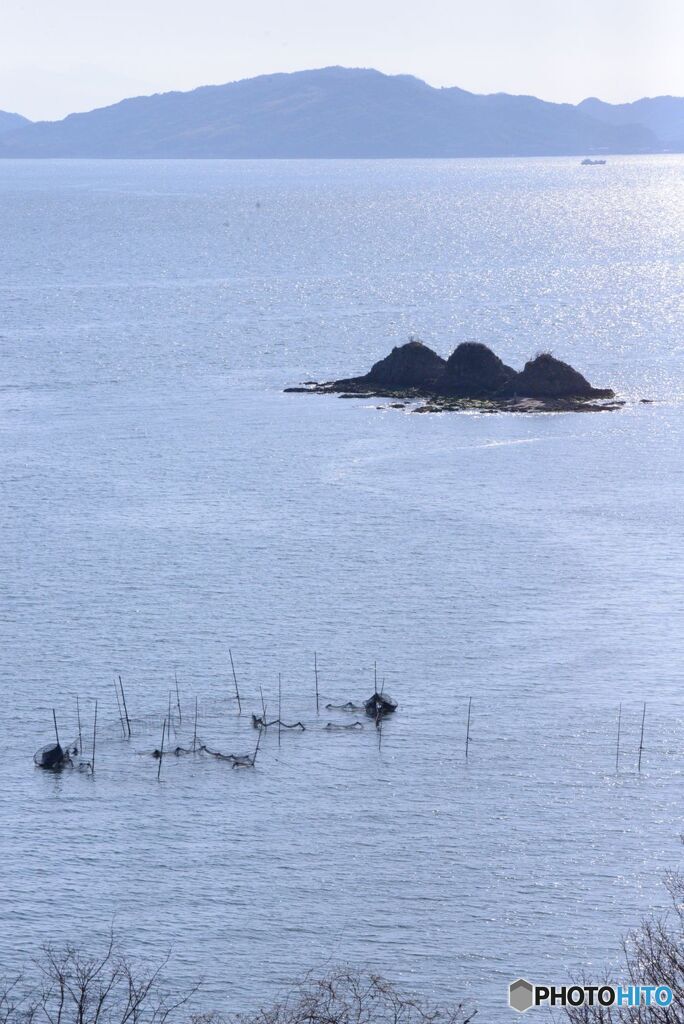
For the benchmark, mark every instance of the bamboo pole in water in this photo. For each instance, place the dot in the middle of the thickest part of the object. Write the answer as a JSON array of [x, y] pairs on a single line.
[[123, 698], [80, 737], [92, 762], [256, 749], [617, 747], [641, 740], [54, 719], [467, 743], [237, 692], [178, 703], [279, 706], [316, 678], [161, 751], [263, 706], [118, 704]]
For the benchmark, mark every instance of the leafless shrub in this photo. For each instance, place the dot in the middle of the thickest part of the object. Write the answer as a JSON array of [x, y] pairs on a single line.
[[11, 1000], [346, 996], [653, 955], [75, 988]]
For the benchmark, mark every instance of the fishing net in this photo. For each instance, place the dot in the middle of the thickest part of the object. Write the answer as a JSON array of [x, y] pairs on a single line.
[[236, 760], [260, 723], [52, 756]]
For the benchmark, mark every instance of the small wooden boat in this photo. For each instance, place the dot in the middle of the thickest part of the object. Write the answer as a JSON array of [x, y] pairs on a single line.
[[588, 162], [380, 704], [52, 757]]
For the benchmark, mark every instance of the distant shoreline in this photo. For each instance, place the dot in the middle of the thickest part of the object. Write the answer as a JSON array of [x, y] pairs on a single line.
[[347, 113], [5, 158]]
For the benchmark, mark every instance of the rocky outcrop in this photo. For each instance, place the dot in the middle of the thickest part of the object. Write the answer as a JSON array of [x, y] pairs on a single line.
[[474, 371], [548, 377], [472, 377], [412, 365]]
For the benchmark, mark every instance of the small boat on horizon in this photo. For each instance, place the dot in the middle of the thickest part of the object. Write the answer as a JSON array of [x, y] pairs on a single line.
[[588, 162]]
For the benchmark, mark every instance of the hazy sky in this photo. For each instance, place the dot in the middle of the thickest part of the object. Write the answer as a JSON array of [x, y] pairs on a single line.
[[57, 56]]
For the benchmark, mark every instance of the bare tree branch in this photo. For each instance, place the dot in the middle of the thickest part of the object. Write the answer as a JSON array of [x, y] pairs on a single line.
[[352, 997], [75, 988], [653, 954]]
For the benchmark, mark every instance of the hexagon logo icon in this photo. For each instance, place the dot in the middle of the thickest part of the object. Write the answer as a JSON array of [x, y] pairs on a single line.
[[520, 995]]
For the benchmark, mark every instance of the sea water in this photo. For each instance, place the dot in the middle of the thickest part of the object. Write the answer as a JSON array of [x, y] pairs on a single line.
[[163, 502]]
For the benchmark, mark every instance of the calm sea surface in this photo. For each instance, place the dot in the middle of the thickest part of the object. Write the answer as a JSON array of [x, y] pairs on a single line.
[[162, 501]]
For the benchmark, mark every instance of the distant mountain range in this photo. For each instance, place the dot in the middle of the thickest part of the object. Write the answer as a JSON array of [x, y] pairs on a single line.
[[10, 122], [347, 112], [662, 115]]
